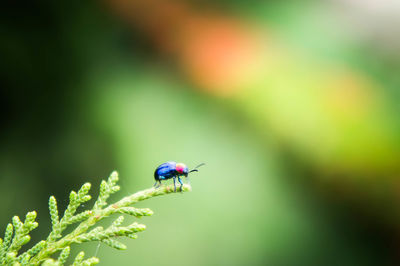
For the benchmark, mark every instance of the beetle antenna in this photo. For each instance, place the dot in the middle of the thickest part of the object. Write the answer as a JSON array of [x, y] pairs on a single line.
[[199, 165], [195, 169]]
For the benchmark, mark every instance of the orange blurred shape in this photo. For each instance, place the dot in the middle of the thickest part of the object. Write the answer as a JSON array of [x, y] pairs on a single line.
[[218, 53]]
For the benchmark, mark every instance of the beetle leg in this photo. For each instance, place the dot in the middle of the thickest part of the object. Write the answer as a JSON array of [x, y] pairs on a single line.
[[174, 183], [180, 181], [159, 184]]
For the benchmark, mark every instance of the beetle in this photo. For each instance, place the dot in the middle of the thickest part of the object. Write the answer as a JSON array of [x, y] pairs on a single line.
[[173, 170]]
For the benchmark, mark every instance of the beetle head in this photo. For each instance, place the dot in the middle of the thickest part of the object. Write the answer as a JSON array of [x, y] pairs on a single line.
[[182, 169]]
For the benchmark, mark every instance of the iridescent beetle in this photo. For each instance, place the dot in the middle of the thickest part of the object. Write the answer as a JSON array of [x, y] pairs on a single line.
[[173, 170]]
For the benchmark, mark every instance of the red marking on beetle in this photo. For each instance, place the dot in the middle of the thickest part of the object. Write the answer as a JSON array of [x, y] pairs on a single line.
[[115, 206], [179, 168]]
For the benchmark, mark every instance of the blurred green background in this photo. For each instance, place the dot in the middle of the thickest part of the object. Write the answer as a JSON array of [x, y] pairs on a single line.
[[292, 105]]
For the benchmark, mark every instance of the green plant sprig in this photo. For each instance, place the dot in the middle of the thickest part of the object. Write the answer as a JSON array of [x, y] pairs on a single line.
[[17, 232]]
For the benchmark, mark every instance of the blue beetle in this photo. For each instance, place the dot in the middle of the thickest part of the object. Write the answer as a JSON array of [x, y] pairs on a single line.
[[173, 170]]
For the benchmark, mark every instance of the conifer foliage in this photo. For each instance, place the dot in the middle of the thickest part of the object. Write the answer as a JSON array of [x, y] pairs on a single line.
[[55, 249]]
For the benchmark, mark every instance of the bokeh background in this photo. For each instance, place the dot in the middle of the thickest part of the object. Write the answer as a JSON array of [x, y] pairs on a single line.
[[292, 105]]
